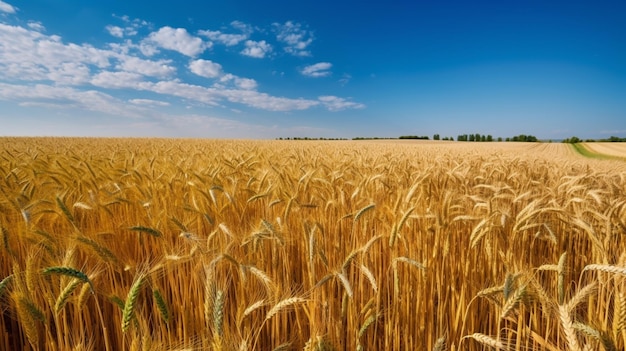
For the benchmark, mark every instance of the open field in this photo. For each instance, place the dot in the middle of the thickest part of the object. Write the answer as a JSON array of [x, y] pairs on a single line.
[[157, 244], [611, 149]]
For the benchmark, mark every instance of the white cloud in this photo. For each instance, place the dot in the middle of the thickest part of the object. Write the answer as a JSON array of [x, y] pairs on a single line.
[[30, 55], [223, 38], [295, 38], [66, 97], [178, 39], [266, 102], [205, 68], [160, 68], [35, 25], [115, 31], [69, 73], [257, 49], [241, 83], [334, 103], [37, 69], [317, 70], [148, 102], [4, 7], [246, 83], [209, 96], [117, 80]]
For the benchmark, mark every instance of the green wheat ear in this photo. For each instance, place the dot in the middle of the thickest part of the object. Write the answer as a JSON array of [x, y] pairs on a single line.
[[131, 303], [70, 272], [161, 305]]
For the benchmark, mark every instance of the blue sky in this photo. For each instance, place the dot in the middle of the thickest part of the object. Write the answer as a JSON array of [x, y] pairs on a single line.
[[267, 69]]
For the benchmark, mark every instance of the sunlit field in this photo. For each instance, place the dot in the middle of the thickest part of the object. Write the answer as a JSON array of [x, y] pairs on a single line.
[[166, 244], [611, 149]]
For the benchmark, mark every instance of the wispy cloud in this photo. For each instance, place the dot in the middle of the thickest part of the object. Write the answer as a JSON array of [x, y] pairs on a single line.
[[321, 69], [35, 25], [295, 38], [67, 97], [4, 7], [131, 26], [229, 39], [334, 103], [148, 102], [257, 49], [345, 79], [613, 132]]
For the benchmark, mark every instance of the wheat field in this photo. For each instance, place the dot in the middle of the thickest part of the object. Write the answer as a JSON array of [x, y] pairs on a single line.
[[608, 148], [167, 244]]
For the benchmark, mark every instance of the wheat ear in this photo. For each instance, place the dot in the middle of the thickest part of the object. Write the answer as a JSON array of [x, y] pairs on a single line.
[[161, 305], [440, 344], [131, 303], [568, 328], [28, 313], [65, 294], [605, 268], [70, 272], [487, 341], [282, 305]]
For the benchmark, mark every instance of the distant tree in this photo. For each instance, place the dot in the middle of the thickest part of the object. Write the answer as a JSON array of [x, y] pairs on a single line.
[[508, 139], [572, 140], [423, 137], [483, 138], [500, 139], [436, 137], [472, 137]]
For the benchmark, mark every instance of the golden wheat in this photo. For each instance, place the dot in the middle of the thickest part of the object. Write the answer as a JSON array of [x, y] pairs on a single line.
[[267, 245]]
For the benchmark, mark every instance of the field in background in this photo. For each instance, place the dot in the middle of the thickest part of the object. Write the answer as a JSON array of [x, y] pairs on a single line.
[[155, 244], [610, 149]]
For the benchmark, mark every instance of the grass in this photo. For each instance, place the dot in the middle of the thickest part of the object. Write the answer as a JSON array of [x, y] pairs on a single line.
[[120, 244]]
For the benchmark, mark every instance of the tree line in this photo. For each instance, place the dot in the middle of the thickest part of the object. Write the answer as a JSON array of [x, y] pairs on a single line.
[[470, 137], [575, 139]]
